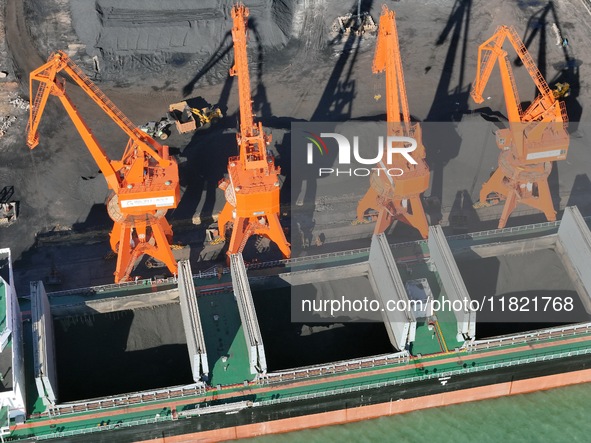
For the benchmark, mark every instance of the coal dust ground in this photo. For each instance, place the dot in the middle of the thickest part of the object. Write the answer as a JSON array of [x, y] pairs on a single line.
[[125, 351], [300, 71], [528, 278], [291, 345]]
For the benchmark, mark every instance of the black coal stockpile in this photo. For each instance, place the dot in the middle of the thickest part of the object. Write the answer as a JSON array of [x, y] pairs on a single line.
[[119, 352], [130, 34]]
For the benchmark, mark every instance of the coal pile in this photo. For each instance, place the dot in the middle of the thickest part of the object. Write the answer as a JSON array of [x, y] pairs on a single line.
[[130, 35], [529, 279], [291, 345], [119, 352]]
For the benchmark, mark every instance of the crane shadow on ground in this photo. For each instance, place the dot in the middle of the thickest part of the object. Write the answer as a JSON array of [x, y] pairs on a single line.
[[580, 194], [220, 55], [449, 104], [567, 71], [334, 105]]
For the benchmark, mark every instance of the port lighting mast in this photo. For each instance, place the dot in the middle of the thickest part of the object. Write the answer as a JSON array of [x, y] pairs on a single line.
[[396, 198], [144, 183], [535, 138], [252, 186]]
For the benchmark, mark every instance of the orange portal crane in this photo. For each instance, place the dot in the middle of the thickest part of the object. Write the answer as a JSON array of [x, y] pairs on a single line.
[[144, 183], [252, 186], [535, 138], [396, 197]]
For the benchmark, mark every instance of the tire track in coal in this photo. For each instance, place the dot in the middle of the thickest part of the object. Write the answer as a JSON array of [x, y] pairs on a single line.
[[24, 55], [311, 41]]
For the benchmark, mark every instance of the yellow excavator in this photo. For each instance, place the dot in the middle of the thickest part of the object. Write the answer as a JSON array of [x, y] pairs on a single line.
[[561, 90], [207, 116], [185, 118], [189, 119]]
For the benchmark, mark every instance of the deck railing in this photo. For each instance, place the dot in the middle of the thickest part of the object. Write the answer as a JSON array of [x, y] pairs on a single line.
[[125, 400], [434, 374], [529, 337], [335, 368]]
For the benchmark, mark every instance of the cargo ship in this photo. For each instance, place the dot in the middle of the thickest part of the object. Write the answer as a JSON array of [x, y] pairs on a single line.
[[234, 371], [256, 348]]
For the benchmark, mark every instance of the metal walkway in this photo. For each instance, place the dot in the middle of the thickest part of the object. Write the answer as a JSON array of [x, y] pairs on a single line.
[[452, 282], [43, 345], [248, 316], [192, 322], [383, 274]]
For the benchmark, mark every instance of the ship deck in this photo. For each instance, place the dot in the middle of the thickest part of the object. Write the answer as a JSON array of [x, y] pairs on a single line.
[[434, 353]]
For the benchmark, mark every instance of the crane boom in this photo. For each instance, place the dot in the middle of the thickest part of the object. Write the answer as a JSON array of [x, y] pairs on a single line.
[[396, 198], [252, 140], [252, 186], [144, 183], [484, 71], [51, 84], [488, 54], [491, 51], [240, 69], [535, 137], [387, 58]]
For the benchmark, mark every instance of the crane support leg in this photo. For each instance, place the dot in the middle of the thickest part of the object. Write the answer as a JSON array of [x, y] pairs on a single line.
[[369, 201], [115, 237], [415, 217], [383, 222], [166, 229], [413, 214], [245, 227], [372, 200], [493, 185], [277, 235], [239, 236], [514, 186], [123, 251], [510, 205], [544, 200], [153, 241], [224, 218], [160, 249]]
